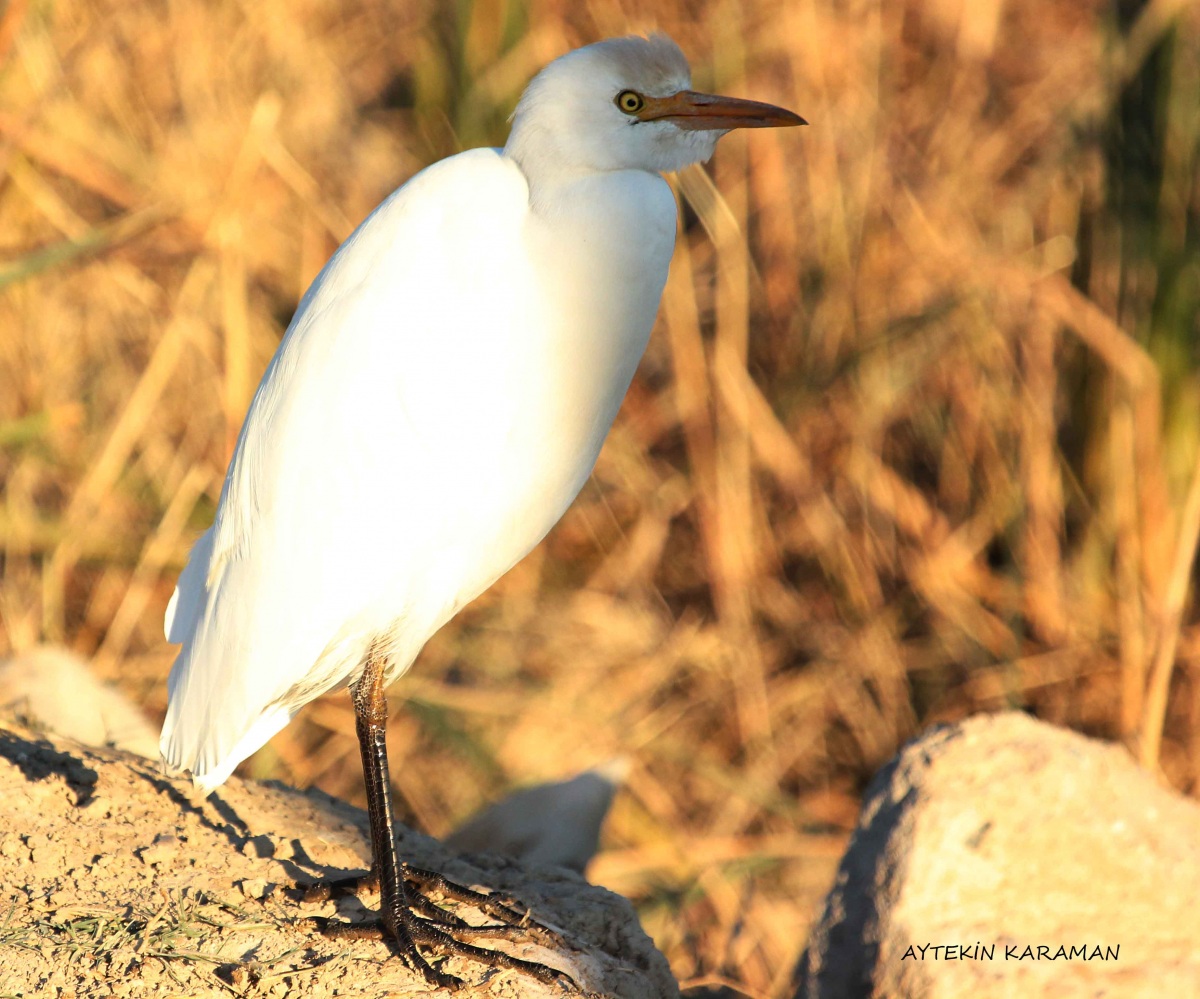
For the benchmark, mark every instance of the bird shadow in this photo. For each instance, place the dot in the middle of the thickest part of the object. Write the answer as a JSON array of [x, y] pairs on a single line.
[[38, 760], [230, 826], [304, 871]]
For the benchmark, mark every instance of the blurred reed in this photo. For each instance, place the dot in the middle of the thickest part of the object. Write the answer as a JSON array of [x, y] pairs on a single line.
[[917, 437]]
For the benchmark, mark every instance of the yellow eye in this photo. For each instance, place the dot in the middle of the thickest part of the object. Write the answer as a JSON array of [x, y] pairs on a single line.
[[630, 101]]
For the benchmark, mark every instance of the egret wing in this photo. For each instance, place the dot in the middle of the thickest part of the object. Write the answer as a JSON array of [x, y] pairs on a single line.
[[349, 453]]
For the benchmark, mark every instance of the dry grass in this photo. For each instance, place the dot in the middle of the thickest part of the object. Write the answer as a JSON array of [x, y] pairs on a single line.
[[917, 435]]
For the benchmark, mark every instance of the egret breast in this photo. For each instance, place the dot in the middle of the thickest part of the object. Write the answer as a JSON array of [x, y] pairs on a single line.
[[575, 311]]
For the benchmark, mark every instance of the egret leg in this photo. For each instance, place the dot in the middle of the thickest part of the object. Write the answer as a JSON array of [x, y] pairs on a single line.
[[407, 917]]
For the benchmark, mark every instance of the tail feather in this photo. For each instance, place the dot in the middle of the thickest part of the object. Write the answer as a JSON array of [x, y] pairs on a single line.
[[209, 772], [218, 711], [248, 662]]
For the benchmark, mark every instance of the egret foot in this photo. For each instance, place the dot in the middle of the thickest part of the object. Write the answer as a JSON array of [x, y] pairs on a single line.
[[418, 880], [420, 921], [514, 921], [408, 918], [508, 912]]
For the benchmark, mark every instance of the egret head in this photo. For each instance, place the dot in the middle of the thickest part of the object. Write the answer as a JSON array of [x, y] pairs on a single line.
[[626, 104]]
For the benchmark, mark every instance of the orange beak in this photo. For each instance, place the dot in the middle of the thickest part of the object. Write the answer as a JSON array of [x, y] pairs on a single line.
[[688, 109]]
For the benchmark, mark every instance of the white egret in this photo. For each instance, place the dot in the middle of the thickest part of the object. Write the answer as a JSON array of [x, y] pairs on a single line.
[[437, 402]]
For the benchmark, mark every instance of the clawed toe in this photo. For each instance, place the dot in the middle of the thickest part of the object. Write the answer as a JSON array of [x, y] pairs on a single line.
[[371, 929], [502, 908], [322, 891], [422, 921], [442, 939]]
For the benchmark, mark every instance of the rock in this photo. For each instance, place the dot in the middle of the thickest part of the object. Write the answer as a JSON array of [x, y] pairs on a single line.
[[1006, 857], [557, 823], [258, 846], [202, 911], [53, 688], [164, 849], [254, 888]]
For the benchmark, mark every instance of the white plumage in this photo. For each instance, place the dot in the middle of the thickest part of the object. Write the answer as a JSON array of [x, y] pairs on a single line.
[[439, 398]]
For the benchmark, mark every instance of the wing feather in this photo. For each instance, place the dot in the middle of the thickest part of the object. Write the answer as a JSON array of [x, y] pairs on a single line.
[[327, 497]]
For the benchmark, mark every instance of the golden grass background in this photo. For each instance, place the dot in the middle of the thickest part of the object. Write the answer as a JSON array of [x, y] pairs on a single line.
[[916, 436]]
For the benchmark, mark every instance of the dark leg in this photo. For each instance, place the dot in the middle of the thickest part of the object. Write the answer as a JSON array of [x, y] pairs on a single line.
[[407, 917], [370, 720]]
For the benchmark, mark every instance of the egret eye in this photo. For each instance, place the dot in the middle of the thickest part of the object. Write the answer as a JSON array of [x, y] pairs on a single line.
[[630, 101]]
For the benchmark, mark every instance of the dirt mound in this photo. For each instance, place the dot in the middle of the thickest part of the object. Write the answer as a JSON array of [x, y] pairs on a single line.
[[1006, 857], [115, 881]]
